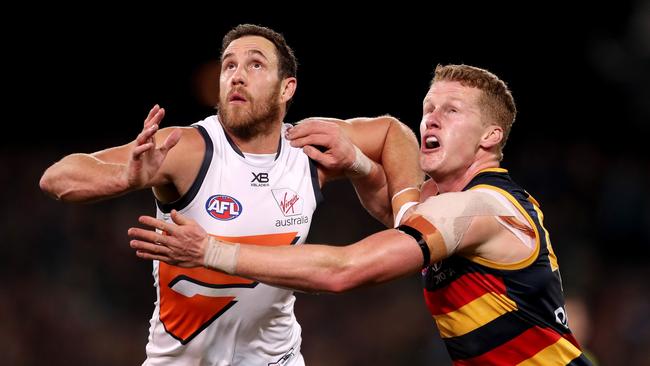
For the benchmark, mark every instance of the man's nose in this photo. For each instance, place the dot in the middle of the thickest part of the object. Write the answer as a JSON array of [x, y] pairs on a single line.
[[239, 76], [431, 121]]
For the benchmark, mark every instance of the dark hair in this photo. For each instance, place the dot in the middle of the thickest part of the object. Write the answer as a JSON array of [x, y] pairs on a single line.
[[287, 63]]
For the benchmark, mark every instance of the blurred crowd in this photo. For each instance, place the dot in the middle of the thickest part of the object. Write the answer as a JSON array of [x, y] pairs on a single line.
[[76, 294]]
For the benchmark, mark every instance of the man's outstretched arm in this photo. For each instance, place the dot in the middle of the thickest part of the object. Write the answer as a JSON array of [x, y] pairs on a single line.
[[463, 222], [115, 171], [379, 258]]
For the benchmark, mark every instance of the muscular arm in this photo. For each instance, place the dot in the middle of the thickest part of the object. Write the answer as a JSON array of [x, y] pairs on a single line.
[[84, 178], [391, 146], [459, 222], [391, 143], [379, 258], [118, 170]]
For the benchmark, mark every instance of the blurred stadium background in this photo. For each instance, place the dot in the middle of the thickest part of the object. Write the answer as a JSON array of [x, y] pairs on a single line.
[[75, 294]]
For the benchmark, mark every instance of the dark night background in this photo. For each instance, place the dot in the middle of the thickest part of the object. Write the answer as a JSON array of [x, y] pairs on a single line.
[[75, 294]]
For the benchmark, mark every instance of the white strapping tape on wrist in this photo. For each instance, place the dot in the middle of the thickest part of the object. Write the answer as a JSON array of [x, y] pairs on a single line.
[[402, 201], [361, 166], [404, 190], [220, 256], [402, 210]]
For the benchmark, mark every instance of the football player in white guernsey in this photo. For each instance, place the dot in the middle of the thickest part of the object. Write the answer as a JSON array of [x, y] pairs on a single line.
[[247, 176]]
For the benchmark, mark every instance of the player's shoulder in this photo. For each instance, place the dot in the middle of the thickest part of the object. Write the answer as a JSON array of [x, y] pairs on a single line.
[[191, 133], [473, 202], [190, 145], [384, 118], [186, 130]]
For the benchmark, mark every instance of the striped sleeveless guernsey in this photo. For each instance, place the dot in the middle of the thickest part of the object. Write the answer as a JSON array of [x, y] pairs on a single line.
[[495, 314]]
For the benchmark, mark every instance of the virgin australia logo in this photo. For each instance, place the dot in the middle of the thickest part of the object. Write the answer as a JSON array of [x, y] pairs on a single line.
[[289, 202]]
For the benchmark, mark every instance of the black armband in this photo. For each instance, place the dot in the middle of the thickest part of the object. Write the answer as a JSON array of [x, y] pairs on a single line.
[[426, 254]]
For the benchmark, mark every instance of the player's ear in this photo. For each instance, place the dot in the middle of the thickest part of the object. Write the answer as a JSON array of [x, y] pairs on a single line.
[[287, 89], [492, 136]]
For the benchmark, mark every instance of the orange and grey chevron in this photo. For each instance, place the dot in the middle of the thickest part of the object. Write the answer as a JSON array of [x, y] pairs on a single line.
[[185, 308]]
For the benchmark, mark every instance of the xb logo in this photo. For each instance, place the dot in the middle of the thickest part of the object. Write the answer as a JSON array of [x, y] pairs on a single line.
[[260, 178]]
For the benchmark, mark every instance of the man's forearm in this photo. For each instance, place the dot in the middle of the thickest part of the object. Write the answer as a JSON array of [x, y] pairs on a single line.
[[309, 268], [372, 190], [376, 259], [84, 178], [392, 144], [400, 160], [399, 171]]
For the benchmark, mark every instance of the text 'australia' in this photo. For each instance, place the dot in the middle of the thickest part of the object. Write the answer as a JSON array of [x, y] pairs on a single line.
[[292, 221]]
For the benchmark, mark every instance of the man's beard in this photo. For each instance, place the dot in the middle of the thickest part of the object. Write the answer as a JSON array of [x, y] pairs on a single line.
[[247, 123]]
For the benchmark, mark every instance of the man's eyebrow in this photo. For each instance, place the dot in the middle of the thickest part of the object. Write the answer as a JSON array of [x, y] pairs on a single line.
[[250, 52], [258, 52], [451, 99]]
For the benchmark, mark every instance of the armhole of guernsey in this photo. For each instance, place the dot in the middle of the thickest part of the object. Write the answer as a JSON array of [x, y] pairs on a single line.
[[516, 265], [185, 200], [313, 169]]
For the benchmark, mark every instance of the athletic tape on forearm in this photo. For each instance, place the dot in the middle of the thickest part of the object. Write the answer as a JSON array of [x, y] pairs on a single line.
[[361, 166], [402, 201], [402, 210], [220, 256]]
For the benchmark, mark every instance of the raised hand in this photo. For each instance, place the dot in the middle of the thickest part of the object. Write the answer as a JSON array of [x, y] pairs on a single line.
[[146, 157], [325, 142], [181, 244]]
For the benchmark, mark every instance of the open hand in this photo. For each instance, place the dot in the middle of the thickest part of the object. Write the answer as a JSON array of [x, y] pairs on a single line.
[[181, 243], [325, 142], [146, 157]]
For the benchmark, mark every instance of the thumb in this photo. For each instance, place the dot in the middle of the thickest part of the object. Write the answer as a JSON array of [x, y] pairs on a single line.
[[180, 219], [314, 153], [171, 140]]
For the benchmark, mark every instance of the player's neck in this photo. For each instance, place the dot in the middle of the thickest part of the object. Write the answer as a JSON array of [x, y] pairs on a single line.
[[456, 182], [262, 143]]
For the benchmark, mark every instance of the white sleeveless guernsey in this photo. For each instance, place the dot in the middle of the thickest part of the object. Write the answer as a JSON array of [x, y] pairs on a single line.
[[203, 317]]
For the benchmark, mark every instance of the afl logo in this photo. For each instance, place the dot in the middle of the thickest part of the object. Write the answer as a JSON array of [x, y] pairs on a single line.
[[223, 207]]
